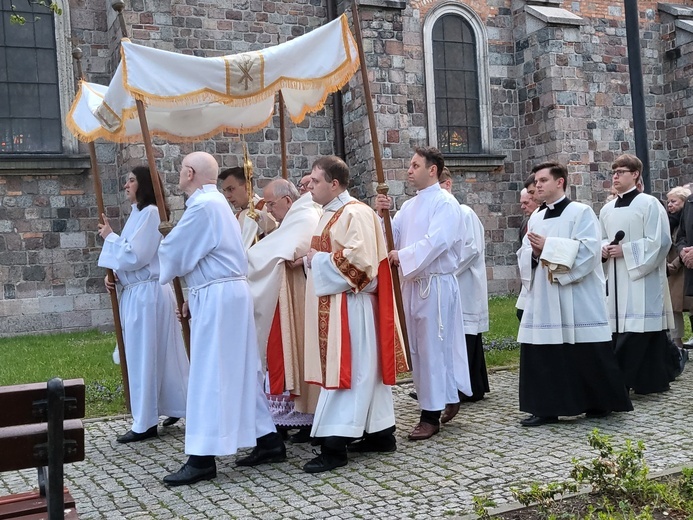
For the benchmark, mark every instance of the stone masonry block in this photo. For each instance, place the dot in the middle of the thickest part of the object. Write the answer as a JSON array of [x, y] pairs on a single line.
[[57, 304], [72, 240]]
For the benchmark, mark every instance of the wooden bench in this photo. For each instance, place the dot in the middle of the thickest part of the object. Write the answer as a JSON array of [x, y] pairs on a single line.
[[40, 427]]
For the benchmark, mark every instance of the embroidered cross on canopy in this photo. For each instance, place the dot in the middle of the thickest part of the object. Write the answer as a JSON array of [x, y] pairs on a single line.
[[189, 98]]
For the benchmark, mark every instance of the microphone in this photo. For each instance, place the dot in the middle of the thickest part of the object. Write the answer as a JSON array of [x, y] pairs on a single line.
[[619, 236]]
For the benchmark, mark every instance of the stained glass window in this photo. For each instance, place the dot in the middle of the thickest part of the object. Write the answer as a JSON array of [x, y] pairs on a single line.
[[455, 75]]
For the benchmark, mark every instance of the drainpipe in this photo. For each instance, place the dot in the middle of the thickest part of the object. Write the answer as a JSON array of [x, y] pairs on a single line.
[[337, 107], [636, 90]]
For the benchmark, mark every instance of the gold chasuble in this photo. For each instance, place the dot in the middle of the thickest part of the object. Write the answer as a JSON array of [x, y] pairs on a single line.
[[353, 238]]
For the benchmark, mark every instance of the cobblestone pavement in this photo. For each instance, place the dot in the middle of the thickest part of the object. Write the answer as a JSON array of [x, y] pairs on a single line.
[[482, 451]]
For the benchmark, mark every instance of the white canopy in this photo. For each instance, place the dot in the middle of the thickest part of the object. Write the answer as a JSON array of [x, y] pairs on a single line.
[[189, 98]]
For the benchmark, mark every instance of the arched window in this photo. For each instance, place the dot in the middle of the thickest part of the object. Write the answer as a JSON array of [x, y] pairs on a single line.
[[457, 86]]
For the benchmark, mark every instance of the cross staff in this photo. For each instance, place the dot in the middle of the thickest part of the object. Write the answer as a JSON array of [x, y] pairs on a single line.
[[165, 227], [382, 186], [98, 192]]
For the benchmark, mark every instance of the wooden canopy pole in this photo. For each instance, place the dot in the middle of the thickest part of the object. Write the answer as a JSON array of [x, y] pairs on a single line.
[[166, 226], [98, 192], [282, 136], [382, 185]]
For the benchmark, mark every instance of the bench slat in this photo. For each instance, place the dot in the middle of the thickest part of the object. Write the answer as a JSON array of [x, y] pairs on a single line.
[[17, 444], [32, 505], [16, 402]]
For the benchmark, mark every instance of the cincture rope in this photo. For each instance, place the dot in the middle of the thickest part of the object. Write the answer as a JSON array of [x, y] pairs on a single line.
[[425, 292], [197, 288], [131, 285]]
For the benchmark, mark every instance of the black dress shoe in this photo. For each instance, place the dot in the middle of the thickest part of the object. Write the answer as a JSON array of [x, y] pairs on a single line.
[[374, 444], [135, 437], [414, 396], [535, 420], [170, 421], [263, 455], [325, 462], [303, 435], [189, 475]]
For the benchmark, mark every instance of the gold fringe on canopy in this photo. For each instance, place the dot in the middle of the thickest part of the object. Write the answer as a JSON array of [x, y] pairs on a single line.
[[190, 98]]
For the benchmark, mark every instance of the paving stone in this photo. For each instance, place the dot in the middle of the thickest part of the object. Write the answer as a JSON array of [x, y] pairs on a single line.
[[484, 451]]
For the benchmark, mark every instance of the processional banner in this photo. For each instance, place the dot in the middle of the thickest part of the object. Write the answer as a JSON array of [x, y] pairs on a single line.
[[190, 97]]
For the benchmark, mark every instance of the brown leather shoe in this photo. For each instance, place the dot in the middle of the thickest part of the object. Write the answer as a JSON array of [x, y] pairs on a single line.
[[449, 412], [423, 431]]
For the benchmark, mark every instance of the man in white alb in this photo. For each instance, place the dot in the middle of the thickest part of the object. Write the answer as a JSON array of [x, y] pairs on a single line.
[[428, 243], [226, 407]]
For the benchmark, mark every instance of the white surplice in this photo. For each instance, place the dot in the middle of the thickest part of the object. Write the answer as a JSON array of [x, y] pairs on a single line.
[[427, 233], [156, 359], [471, 275], [227, 408], [643, 292], [573, 309], [367, 406]]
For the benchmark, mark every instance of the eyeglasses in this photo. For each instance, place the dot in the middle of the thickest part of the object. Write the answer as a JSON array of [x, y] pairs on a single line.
[[617, 173]]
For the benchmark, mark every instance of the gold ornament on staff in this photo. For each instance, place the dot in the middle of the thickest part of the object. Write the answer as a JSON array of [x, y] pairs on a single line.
[[248, 172]]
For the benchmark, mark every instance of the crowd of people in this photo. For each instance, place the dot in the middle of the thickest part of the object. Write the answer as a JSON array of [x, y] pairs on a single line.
[[294, 322]]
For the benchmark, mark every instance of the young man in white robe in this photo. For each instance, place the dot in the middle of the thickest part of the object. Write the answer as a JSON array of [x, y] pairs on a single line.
[[234, 188], [428, 232], [353, 342], [227, 408], [156, 360], [278, 285], [471, 277], [567, 365], [637, 280]]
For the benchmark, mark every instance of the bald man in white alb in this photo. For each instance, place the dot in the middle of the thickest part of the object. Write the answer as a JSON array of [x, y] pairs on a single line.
[[227, 408]]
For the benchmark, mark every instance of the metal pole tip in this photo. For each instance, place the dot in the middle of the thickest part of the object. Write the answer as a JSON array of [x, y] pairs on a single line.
[[77, 53], [118, 5]]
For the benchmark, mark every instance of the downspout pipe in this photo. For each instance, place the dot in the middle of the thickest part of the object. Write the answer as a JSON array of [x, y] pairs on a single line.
[[337, 105], [636, 90]]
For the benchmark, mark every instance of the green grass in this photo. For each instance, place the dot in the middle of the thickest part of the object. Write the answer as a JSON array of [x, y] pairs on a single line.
[[499, 342], [87, 355]]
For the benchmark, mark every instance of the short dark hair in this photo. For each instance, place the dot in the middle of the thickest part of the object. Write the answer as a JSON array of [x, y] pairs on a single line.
[[557, 171], [444, 175], [433, 157], [236, 171], [530, 179], [334, 168], [628, 161], [145, 189]]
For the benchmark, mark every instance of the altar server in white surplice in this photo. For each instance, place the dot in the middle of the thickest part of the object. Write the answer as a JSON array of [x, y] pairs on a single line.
[[227, 408], [639, 282], [156, 359], [567, 366], [471, 278], [353, 344], [428, 233], [278, 284]]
